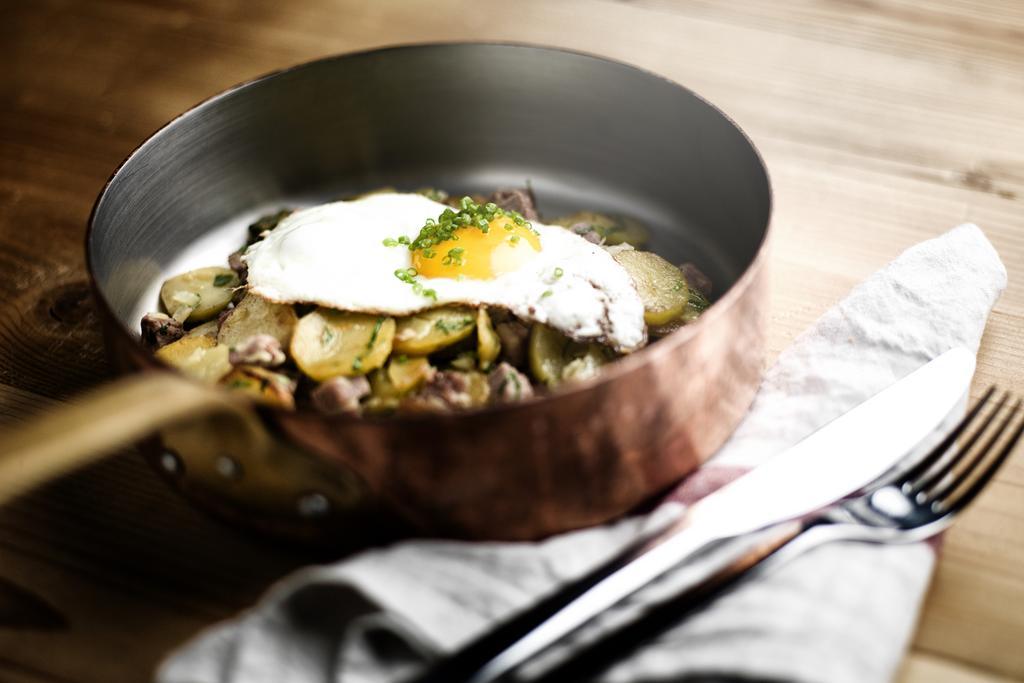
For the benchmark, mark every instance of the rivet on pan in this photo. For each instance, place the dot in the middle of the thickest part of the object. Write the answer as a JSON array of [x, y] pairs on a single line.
[[170, 462], [313, 505], [228, 467]]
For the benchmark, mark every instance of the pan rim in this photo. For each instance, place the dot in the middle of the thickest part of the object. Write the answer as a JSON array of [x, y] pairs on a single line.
[[622, 366]]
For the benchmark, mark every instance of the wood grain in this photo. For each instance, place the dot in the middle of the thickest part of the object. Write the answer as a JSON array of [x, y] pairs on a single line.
[[883, 123]]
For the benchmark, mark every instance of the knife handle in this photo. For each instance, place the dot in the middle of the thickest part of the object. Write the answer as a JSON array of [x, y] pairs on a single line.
[[597, 654], [467, 663]]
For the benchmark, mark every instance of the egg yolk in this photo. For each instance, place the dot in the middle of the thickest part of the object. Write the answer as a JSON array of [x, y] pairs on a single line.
[[480, 255]]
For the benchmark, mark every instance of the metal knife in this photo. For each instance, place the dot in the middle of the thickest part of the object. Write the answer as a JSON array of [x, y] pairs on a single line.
[[840, 458]]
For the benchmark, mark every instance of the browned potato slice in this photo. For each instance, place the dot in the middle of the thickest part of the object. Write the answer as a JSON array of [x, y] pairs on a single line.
[[554, 358], [328, 343], [255, 315], [614, 230], [407, 373], [203, 293], [488, 346], [197, 356], [660, 284], [262, 385], [433, 330]]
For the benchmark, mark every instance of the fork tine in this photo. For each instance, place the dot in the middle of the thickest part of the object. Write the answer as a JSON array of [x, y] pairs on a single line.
[[940, 500], [910, 477]]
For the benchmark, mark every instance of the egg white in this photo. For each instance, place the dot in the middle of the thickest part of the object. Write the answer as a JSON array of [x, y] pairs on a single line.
[[334, 255]]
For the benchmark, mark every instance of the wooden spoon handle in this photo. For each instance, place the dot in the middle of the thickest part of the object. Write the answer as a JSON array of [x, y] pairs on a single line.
[[104, 419]]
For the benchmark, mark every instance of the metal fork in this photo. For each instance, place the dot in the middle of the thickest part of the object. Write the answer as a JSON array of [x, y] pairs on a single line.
[[905, 507]]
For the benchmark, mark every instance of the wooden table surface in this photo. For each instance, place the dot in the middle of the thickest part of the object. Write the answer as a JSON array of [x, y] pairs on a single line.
[[883, 123]]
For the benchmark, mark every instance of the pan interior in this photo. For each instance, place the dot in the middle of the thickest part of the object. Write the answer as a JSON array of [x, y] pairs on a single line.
[[583, 132]]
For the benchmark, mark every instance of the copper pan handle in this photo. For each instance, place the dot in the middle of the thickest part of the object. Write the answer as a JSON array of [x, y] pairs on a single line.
[[102, 420]]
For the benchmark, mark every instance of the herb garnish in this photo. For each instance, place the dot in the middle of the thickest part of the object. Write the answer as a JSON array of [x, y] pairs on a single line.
[[454, 256], [376, 331], [444, 228], [469, 215], [222, 279]]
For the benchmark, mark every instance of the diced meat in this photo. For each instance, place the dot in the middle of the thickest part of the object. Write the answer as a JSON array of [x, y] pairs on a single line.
[[236, 264], [445, 391], [160, 330], [508, 385], [588, 232], [340, 395], [696, 278], [261, 350], [519, 200], [513, 335]]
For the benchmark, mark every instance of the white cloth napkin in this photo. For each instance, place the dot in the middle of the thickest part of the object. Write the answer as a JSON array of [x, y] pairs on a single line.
[[841, 613]]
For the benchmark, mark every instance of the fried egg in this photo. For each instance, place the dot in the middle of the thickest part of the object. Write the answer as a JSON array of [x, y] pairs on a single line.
[[354, 256]]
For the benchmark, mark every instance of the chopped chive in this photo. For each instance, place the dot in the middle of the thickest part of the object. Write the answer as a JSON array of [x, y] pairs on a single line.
[[222, 279], [376, 331]]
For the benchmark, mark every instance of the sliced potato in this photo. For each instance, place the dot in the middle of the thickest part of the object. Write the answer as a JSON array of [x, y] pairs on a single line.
[[465, 361], [586, 365], [696, 305], [479, 389], [546, 347], [407, 373], [328, 343], [554, 358], [261, 385], [432, 330], [197, 356], [614, 230], [488, 345], [255, 315], [384, 395], [206, 291], [207, 329], [660, 284]]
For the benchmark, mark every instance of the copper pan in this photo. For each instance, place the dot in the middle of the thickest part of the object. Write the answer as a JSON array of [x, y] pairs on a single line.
[[584, 132]]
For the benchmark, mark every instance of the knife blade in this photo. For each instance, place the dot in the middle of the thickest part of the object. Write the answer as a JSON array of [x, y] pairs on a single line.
[[838, 459]]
